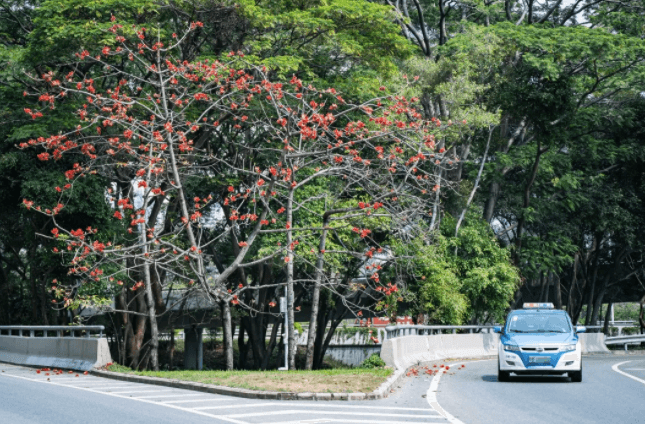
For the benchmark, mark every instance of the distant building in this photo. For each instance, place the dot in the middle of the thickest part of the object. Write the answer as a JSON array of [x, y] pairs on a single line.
[[382, 322]]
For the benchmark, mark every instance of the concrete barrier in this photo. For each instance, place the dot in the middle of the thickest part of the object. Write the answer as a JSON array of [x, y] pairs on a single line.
[[353, 355], [76, 353], [403, 352], [593, 343]]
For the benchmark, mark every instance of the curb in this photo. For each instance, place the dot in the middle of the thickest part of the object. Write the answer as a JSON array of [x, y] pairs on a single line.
[[382, 392]]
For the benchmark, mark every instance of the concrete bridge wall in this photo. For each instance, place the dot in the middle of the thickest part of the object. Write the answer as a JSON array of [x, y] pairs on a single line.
[[76, 353]]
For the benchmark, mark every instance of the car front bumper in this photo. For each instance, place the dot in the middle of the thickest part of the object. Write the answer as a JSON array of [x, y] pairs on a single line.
[[519, 363]]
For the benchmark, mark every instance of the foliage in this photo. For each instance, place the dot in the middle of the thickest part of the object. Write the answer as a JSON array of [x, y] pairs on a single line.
[[454, 280], [374, 361]]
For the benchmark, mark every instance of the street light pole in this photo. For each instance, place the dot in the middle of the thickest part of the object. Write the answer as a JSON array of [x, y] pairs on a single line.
[[285, 330]]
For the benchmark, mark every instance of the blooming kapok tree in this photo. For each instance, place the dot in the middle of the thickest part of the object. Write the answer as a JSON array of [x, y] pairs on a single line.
[[155, 124]]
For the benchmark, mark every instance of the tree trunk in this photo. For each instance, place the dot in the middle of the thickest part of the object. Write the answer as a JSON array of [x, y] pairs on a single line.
[[272, 341], [598, 303], [330, 334], [592, 289], [572, 286], [489, 209], [227, 331], [557, 291], [313, 319], [152, 316], [605, 328], [641, 316], [443, 33], [290, 293], [243, 347], [527, 199]]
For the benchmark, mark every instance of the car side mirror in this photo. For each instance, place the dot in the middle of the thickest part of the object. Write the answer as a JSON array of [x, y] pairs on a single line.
[[581, 329], [497, 329]]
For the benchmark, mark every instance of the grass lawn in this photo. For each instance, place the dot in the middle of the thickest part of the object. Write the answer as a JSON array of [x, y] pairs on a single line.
[[354, 380]]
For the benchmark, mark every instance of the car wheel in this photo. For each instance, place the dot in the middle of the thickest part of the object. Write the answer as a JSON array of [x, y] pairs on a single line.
[[503, 376], [576, 376]]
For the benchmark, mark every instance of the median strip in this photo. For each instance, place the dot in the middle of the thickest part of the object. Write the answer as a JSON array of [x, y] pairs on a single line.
[[335, 384]]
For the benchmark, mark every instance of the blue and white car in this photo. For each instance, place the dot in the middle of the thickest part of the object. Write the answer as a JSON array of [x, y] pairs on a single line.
[[539, 339]]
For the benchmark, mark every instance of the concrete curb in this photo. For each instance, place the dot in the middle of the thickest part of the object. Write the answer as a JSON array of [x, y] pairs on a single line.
[[382, 392]]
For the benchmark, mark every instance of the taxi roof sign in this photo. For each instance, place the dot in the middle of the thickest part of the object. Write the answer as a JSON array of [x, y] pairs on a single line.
[[538, 306]]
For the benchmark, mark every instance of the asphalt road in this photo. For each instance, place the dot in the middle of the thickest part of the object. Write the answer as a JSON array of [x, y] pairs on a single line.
[[30, 398], [612, 391]]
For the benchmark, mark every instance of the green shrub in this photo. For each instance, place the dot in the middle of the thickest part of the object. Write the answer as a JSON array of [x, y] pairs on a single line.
[[628, 331], [373, 361]]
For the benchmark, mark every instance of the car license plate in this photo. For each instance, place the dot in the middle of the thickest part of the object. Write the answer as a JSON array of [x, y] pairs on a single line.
[[539, 359]]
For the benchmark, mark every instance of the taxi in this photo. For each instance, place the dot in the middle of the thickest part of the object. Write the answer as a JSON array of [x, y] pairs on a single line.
[[539, 339]]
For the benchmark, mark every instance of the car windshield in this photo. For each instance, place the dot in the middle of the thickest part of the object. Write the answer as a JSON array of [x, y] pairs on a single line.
[[538, 323]]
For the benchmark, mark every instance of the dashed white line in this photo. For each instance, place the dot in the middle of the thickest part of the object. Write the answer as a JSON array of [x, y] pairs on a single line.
[[395, 408], [335, 420], [303, 411], [615, 368], [172, 396], [193, 400], [140, 391], [99, 387], [205, 414], [246, 405]]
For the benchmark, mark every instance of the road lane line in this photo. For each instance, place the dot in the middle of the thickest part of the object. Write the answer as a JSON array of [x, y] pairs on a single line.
[[615, 368], [169, 396], [95, 384], [246, 405], [395, 408], [335, 420], [98, 388], [304, 411], [431, 394], [193, 400], [205, 414], [140, 391]]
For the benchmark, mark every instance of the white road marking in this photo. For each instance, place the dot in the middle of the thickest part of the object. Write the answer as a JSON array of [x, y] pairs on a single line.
[[92, 382], [431, 394], [140, 391], [334, 420], [246, 405], [171, 396], [395, 408], [192, 400], [205, 414], [615, 368], [303, 411], [100, 387]]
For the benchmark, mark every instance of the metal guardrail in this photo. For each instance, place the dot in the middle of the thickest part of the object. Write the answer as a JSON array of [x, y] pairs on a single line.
[[422, 330], [60, 330], [625, 340], [634, 338]]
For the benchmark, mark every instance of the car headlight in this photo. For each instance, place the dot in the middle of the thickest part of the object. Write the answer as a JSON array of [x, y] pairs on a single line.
[[568, 348], [512, 348]]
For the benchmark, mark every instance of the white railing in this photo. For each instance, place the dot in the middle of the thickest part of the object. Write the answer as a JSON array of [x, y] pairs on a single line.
[[422, 330], [44, 330]]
